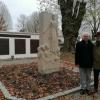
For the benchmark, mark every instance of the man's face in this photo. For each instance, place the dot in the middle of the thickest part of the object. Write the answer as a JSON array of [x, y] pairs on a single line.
[[85, 37]]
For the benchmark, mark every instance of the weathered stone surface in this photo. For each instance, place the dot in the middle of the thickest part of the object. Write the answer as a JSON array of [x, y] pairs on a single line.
[[48, 61], [48, 51]]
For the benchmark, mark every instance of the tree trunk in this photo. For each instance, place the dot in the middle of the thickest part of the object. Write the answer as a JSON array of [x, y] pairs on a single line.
[[69, 44], [71, 22]]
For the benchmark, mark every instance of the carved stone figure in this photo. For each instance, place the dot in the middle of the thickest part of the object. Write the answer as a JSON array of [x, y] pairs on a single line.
[[48, 51]]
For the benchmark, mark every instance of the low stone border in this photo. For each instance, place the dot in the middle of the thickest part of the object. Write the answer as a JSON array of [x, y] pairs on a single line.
[[60, 94], [8, 96]]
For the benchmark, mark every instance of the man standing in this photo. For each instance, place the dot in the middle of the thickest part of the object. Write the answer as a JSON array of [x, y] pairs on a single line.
[[96, 65], [84, 60]]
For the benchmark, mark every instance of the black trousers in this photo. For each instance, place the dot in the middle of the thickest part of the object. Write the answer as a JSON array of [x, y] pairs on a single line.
[[96, 78]]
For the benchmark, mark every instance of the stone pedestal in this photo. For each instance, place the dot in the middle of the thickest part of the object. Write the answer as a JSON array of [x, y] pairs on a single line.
[[48, 51]]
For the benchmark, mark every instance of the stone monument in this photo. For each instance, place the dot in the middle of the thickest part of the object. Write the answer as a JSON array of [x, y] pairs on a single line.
[[48, 51]]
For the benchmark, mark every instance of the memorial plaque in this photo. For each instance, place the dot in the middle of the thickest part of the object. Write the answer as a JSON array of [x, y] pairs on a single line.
[[4, 46], [20, 46]]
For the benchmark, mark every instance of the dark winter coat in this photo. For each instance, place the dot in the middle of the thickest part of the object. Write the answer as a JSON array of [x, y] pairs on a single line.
[[84, 54], [96, 64]]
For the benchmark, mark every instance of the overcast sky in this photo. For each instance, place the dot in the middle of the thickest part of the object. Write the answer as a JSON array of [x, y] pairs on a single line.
[[17, 7]]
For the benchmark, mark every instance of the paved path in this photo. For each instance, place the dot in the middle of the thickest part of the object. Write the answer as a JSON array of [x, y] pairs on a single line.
[[77, 96], [17, 61]]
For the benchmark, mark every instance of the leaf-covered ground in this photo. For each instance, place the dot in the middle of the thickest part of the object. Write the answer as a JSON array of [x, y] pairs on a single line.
[[23, 80], [2, 96]]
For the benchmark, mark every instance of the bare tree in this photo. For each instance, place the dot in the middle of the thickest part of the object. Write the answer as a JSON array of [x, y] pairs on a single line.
[[3, 25], [28, 23], [32, 23], [21, 23], [49, 5], [72, 12], [92, 16], [5, 18]]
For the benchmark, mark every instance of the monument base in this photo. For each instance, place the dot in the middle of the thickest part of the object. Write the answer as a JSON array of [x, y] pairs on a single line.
[[48, 61], [49, 68]]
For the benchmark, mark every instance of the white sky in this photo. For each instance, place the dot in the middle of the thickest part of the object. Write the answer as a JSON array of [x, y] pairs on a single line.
[[17, 7]]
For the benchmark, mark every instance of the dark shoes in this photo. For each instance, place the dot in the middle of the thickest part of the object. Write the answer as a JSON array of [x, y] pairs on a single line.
[[82, 92], [88, 92]]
